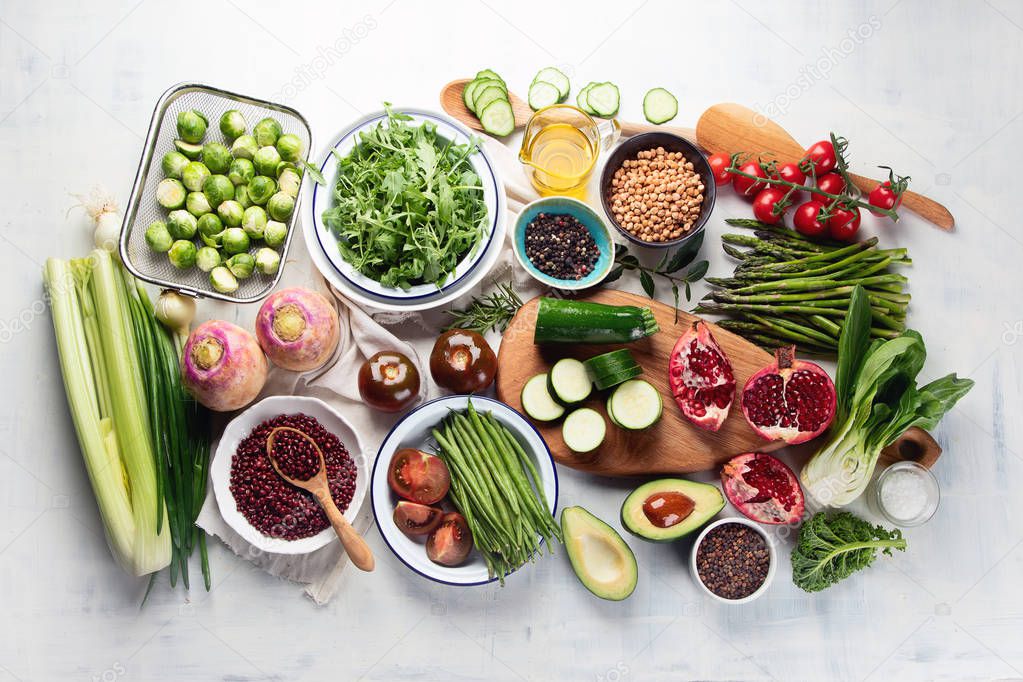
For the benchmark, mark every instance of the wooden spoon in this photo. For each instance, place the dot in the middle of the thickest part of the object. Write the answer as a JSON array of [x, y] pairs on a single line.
[[358, 550], [733, 128], [451, 102]]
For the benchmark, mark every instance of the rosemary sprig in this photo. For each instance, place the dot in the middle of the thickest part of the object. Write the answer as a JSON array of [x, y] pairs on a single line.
[[667, 269], [493, 311]]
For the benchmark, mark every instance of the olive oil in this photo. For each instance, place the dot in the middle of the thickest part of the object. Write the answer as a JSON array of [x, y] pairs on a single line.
[[564, 153]]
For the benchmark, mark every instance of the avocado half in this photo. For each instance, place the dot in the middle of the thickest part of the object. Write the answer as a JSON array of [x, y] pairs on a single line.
[[706, 499], [600, 558]]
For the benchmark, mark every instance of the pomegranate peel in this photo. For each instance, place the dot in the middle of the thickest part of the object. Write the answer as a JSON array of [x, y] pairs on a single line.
[[789, 400]]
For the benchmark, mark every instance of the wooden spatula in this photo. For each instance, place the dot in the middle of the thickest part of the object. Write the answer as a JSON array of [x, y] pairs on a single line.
[[733, 128], [359, 552]]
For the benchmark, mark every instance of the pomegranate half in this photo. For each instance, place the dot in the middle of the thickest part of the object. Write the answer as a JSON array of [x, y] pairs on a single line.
[[701, 378], [763, 488], [789, 400]]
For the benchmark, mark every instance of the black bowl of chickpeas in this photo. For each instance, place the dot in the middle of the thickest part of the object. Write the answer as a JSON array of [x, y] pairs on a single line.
[[657, 189]]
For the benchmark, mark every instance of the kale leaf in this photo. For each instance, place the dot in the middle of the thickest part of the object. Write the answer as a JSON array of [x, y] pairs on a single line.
[[831, 548]]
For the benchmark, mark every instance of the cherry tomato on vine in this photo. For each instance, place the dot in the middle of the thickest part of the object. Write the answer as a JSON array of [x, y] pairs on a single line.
[[719, 164], [844, 223], [831, 183], [790, 172], [883, 196], [768, 207], [807, 220], [748, 187], [821, 156]]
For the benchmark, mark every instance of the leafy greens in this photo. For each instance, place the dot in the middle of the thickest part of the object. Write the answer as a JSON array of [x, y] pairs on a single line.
[[408, 206], [878, 399], [831, 548]]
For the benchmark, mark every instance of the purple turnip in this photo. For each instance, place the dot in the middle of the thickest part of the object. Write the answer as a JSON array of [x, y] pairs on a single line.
[[297, 329], [222, 366]]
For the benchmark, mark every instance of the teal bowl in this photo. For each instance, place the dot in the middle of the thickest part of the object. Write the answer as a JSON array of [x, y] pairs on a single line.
[[585, 215]]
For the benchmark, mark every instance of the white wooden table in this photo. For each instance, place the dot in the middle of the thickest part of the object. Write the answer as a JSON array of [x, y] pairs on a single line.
[[931, 88]]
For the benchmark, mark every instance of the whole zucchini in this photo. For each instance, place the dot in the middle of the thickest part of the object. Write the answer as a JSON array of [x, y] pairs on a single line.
[[561, 320]]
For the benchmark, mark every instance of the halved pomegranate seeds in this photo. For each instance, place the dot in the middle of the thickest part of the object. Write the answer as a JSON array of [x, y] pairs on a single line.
[[763, 488], [701, 378], [790, 400]]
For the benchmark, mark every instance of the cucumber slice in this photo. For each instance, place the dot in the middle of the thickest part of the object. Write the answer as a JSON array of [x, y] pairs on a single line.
[[582, 101], [488, 95], [556, 78], [604, 99], [583, 430], [604, 381], [636, 405], [498, 118], [191, 151], [488, 73], [542, 94], [466, 100], [537, 401], [569, 382], [478, 86], [659, 106]]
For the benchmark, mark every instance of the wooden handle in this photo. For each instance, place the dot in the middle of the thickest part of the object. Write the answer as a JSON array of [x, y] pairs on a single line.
[[915, 445], [358, 551], [629, 129], [928, 209]]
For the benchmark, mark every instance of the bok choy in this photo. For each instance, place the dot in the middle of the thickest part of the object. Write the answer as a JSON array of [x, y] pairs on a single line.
[[878, 399]]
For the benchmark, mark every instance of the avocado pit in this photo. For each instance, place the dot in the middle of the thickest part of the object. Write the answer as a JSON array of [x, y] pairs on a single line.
[[668, 508]]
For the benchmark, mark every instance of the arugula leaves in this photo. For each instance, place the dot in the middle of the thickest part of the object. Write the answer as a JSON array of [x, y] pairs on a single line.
[[408, 206], [831, 548]]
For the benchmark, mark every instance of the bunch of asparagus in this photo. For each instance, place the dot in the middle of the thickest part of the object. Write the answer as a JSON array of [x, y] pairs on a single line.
[[788, 289]]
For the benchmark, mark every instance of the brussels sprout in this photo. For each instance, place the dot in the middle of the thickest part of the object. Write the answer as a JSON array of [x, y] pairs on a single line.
[[191, 126], [211, 229], [268, 261], [194, 175], [289, 181], [266, 160], [234, 240], [290, 147], [241, 195], [222, 280], [280, 206], [158, 237], [231, 213], [267, 132], [218, 189], [275, 233], [170, 193], [182, 224], [207, 258], [173, 163], [217, 157], [232, 124], [182, 254], [197, 204], [190, 151], [241, 265], [254, 222], [261, 188], [244, 147], [241, 171]]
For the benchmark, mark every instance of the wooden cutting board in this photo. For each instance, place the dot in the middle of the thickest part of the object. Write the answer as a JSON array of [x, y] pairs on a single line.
[[673, 445]]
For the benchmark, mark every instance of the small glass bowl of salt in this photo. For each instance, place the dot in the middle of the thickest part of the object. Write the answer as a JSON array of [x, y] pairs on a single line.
[[906, 494]]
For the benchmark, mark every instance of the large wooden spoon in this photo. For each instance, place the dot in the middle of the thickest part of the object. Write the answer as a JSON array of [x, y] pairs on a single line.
[[733, 128], [359, 552], [452, 103]]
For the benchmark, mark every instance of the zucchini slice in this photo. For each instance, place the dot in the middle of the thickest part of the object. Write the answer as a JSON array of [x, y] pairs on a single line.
[[537, 401], [556, 78], [498, 118], [659, 106], [635, 405], [569, 382], [542, 94], [583, 430], [611, 379], [604, 99]]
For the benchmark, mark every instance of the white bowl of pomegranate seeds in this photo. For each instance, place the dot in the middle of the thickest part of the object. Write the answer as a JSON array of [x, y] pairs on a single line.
[[268, 513]]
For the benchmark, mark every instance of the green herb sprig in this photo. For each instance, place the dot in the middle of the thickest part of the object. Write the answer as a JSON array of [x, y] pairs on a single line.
[[493, 311], [667, 269]]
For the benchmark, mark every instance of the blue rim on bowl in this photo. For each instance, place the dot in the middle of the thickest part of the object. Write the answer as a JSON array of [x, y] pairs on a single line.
[[493, 190], [382, 499], [585, 215]]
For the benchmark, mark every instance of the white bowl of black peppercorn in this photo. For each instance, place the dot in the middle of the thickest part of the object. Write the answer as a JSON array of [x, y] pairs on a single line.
[[563, 243], [733, 560]]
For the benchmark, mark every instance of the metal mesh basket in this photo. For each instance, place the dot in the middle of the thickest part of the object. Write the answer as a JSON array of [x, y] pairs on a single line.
[[143, 208]]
